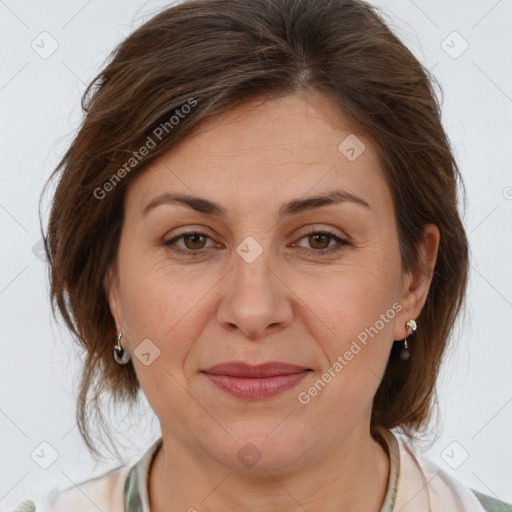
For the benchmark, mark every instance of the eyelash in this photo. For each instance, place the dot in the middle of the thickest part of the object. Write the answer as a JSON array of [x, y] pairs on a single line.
[[189, 252]]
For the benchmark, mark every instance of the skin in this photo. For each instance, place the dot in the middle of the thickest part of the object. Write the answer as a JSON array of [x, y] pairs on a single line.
[[291, 304]]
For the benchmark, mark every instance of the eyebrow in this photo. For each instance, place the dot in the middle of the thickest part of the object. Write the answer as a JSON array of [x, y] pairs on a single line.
[[202, 205]]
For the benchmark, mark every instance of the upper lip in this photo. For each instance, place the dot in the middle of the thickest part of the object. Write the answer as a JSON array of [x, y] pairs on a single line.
[[241, 369]]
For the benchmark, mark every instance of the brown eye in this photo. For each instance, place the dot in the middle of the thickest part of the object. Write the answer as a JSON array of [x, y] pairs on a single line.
[[195, 241], [191, 244], [319, 240]]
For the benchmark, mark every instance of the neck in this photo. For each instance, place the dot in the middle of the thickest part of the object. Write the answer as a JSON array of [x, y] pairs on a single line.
[[352, 476]]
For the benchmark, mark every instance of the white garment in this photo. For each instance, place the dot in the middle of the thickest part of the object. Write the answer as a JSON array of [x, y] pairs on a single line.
[[424, 486], [105, 493]]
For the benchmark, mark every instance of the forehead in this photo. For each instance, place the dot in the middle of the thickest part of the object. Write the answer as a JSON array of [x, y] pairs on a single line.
[[264, 149]]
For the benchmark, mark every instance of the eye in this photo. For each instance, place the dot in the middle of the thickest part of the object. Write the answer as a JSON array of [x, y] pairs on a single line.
[[320, 242], [193, 241]]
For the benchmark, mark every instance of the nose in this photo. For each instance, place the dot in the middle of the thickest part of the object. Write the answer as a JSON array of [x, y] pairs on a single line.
[[255, 298]]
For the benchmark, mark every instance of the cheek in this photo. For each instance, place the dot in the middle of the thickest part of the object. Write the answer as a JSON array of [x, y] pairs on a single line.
[[345, 300], [165, 305], [161, 307], [354, 310]]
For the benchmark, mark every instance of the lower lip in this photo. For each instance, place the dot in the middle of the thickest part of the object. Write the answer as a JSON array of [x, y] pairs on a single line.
[[256, 388]]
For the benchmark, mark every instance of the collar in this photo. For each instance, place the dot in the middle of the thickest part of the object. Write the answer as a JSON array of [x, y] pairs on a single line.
[[415, 484], [136, 486]]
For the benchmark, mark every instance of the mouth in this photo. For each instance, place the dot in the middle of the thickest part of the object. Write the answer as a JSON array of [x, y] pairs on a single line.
[[255, 382]]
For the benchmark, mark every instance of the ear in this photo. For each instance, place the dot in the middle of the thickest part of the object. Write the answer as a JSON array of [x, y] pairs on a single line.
[[111, 287], [416, 284]]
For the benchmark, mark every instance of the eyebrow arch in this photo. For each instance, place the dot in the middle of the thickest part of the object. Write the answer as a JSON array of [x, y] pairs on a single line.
[[203, 205]]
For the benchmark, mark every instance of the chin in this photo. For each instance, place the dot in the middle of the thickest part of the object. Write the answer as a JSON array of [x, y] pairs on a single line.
[[260, 447]]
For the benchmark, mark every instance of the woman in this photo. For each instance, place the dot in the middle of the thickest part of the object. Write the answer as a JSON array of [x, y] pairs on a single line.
[[257, 226]]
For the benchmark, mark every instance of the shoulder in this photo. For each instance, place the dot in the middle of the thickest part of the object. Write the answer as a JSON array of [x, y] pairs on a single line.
[[105, 492], [26, 506], [491, 504], [445, 490]]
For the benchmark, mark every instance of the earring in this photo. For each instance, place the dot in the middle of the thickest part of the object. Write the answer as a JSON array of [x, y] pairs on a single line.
[[121, 356], [411, 327]]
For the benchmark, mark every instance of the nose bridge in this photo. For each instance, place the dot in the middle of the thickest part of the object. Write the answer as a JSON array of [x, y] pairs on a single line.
[[254, 298], [251, 282]]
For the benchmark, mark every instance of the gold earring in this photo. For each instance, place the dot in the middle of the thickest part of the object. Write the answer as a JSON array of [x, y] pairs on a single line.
[[411, 327]]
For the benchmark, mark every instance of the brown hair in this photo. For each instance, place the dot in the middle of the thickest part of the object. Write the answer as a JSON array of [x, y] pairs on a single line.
[[199, 58]]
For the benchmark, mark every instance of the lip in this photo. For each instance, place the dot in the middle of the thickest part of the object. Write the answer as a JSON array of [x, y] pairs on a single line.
[[255, 382], [241, 369]]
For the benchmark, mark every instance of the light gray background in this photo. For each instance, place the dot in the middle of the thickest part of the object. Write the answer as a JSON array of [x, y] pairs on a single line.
[[39, 112]]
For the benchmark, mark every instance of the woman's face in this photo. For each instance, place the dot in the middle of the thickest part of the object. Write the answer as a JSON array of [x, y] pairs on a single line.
[[267, 275]]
